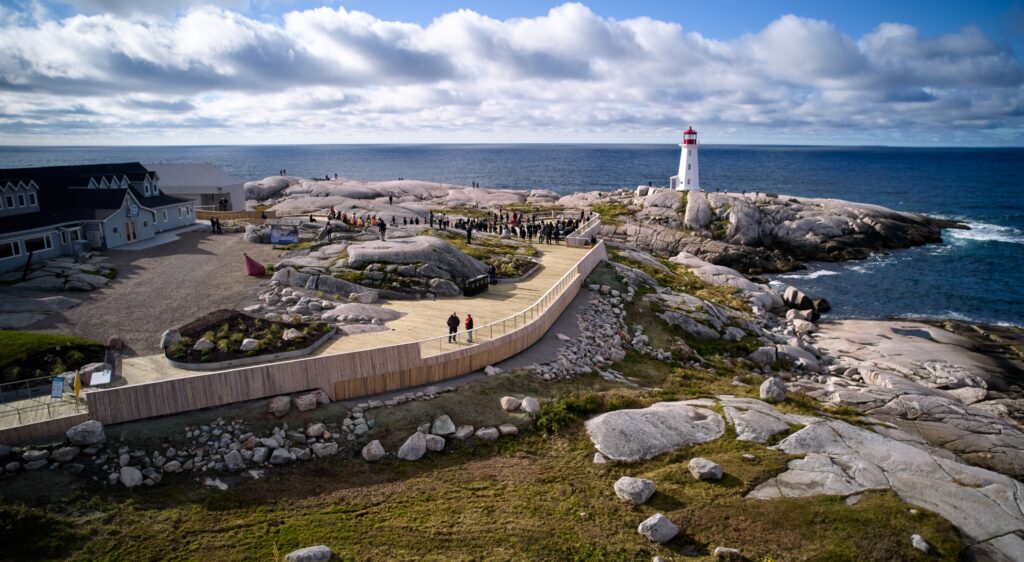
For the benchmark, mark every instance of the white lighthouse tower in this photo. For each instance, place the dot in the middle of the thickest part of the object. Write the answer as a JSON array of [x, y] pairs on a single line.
[[688, 178]]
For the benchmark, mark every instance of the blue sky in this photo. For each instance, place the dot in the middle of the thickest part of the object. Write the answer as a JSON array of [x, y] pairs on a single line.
[[242, 71]]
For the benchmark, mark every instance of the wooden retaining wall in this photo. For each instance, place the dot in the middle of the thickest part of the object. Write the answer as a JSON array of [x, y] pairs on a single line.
[[341, 376], [40, 431]]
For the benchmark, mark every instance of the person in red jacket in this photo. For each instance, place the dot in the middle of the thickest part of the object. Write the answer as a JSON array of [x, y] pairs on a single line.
[[469, 328]]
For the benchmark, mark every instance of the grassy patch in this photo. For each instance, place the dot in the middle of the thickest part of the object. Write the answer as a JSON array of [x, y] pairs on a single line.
[[681, 279], [530, 208], [25, 355], [610, 212], [531, 498], [33, 534]]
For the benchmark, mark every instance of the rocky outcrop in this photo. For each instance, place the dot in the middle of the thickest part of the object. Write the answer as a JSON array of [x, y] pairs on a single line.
[[416, 251], [842, 459], [632, 435]]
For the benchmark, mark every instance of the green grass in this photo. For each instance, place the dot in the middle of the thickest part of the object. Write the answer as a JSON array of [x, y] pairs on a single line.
[[531, 498], [530, 208], [681, 279], [25, 355], [534, 497], [610, 212]]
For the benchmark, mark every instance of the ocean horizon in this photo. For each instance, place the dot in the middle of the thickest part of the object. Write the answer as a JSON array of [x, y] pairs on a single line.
[[975, 275]]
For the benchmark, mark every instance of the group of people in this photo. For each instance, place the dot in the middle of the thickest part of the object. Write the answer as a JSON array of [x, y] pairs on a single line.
[[215, 225], [453, 328], [514, 225]]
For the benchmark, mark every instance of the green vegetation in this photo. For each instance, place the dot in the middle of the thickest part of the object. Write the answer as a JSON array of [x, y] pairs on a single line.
[[26, 355], [530, 208], [227, 330], [610, 212], [680, 278], [34, 534]]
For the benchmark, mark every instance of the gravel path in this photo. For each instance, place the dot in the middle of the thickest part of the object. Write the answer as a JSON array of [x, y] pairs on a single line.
[[163, 287]]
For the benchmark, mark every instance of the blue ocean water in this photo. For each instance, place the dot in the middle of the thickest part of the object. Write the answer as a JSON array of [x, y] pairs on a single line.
[[976, 275]]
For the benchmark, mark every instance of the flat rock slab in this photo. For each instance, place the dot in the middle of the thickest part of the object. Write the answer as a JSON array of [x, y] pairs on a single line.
[[926, 354], [19, 320], [843, 459], [758, 421], [632, 435]]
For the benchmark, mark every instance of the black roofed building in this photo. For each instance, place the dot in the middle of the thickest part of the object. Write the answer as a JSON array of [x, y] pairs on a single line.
[[63, 210]]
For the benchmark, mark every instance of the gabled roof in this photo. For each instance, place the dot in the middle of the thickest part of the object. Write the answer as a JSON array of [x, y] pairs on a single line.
[[184, 176], [62, 197]]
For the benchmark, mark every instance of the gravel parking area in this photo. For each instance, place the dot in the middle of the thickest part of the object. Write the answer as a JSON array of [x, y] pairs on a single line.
[[163, 287]]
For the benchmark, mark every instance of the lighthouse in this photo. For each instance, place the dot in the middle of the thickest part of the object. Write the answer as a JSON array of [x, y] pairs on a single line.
[[688, 178]]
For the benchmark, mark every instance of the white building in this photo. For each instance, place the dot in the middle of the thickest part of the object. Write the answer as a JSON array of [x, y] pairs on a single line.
[[688, 178], [207, 185]]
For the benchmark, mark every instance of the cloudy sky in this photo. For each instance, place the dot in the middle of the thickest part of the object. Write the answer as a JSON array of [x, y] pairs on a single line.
[[253, 71]]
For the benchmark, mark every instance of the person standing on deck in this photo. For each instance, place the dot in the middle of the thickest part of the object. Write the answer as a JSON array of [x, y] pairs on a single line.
[[469, 328], [453, 328]]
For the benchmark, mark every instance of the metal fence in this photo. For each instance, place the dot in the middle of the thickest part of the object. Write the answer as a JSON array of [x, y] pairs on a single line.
[[30, 401]]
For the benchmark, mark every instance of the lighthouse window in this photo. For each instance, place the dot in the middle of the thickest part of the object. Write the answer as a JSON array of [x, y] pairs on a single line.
[[688, 166], [687, 151], [687, 181]]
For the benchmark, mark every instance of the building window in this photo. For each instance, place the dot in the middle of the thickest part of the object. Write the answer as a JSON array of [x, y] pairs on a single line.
[[9, 249], [38, 243], [76, 235], [181, 212], [10, 201], [687, 181], [32, 199], [64, 237], [165, 215], [114, 230], [688, 166], [21, 199], [188, 211], [147, 190], [145, 223]]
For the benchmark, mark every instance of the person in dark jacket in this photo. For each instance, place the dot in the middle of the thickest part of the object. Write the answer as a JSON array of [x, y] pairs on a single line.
[[453, 328], [469, 328]]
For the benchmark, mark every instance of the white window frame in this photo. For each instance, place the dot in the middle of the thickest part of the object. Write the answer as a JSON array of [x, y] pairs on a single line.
[[15, 248], [165, 215], [9, 198], [22, 200], [64, 239], [188, 210], [181, 212], [47, 244], [146, 189], [32, 199]]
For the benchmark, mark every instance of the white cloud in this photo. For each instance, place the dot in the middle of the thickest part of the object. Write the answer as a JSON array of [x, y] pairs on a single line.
[[329, 74]]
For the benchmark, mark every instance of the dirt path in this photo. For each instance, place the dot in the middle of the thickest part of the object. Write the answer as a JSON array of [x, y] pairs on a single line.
[[165, 286]]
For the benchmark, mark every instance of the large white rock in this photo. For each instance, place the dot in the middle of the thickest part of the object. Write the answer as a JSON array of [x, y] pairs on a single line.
[[87, 433], [705, 469], [435, 443], [373, 451], [842, 459], [510, 403], [442, 425], [169, 338], [530, 405], [279, 405], [414, 447], [632, 435], [634, 490], [130, 476], [657, 528], [773, 389], [233, 460], [318, 553]]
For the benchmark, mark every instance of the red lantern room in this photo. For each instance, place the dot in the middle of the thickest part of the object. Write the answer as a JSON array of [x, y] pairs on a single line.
[[690, 136]]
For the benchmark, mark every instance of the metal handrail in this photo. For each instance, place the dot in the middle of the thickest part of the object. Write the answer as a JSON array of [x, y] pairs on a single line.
[[527, 314]]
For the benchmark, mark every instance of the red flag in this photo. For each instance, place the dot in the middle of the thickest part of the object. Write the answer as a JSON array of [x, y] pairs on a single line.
[[253, 267]]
